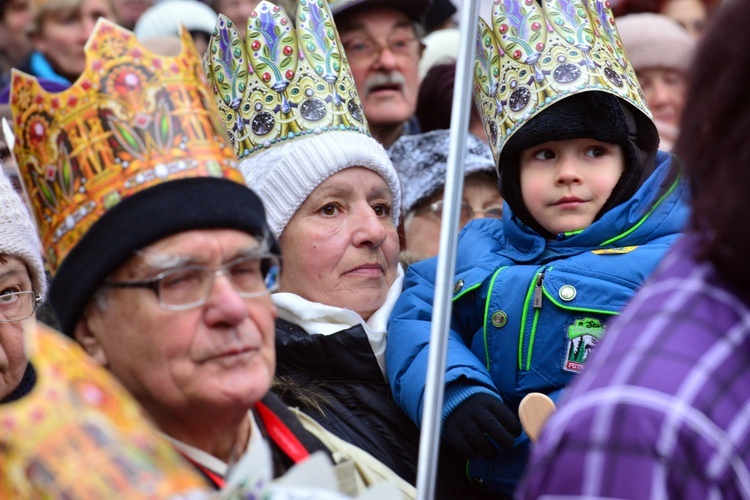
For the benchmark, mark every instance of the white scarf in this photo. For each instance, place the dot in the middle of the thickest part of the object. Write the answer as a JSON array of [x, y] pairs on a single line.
[[323, 319]]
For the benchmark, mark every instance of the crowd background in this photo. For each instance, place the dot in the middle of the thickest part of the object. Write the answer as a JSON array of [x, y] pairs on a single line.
[[325, 338]]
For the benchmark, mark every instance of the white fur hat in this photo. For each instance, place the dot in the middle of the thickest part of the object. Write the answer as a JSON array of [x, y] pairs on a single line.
[[165, 18], [655, 41], [283, 176], [18, 235]]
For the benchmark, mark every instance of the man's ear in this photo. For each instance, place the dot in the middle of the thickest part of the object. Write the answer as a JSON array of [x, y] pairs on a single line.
[[85, 335]]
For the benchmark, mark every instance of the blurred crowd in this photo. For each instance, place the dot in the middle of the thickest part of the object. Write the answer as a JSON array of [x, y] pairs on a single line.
[[219, 231]]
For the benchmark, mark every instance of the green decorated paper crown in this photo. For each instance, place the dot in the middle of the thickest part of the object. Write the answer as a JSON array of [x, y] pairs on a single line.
[[535, 55], [282, 82]]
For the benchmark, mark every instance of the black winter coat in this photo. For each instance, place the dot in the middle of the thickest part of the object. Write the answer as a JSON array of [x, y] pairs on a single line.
[[336, 380]]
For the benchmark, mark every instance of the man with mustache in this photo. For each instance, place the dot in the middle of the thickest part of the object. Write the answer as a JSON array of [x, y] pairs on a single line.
[[382, 39]]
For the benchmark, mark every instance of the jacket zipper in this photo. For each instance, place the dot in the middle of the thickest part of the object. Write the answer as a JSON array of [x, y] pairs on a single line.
[[535, 293], [537, 304]]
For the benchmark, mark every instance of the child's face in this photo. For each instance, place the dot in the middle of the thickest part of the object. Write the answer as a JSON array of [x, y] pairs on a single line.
[[564, 184]]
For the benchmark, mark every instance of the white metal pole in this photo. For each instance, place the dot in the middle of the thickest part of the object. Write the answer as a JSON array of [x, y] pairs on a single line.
[[446, 263]]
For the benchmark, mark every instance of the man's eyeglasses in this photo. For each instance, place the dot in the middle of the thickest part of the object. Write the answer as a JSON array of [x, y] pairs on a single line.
[[364, 51], [187, 287], [467, 211], [17, 306]]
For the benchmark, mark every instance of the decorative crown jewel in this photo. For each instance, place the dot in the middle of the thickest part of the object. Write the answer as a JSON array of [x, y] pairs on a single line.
[[132, 120], [282, 83], [534, 55]]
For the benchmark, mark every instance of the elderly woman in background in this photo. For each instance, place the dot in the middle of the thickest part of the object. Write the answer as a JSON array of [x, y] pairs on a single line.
[[660, 51], [333, 201], [421, 162], [59, 30], [22, 286]]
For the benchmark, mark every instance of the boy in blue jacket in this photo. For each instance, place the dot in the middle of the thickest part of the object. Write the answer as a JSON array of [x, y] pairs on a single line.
[[592, 207]]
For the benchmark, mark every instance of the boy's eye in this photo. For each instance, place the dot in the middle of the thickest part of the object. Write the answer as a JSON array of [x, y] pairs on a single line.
[[544, 154], [595, 152]]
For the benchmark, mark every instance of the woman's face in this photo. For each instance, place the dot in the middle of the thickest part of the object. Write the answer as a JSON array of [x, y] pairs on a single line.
[[665, 91], [61, 36], [691, 14], [14, 277], [422, 227], [341, 248]]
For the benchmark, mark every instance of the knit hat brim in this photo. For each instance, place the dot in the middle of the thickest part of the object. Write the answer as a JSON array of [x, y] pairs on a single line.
[[286, 174], [145, 218], [18, 234]]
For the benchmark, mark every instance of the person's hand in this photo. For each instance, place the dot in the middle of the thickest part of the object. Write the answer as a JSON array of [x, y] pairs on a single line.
[[473, 426]]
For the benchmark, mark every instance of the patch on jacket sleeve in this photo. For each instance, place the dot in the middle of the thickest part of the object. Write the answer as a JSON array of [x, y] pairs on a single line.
[[581, 335]]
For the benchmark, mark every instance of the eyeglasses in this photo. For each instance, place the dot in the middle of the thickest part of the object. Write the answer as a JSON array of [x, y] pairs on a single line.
[[364, 51], [467, 211], [187, 287], [17, 306]]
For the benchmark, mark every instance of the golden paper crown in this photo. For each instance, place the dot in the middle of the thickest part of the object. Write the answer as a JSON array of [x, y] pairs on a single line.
[[282, 82], [79, 417], [132, 120], [534, 55]]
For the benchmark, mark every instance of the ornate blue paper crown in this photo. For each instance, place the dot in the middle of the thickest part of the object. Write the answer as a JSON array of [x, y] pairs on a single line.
[[282, 83], [534, 55]]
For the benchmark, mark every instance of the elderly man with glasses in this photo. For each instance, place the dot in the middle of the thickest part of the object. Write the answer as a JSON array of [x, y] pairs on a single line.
[[382, 39], [162, 258]]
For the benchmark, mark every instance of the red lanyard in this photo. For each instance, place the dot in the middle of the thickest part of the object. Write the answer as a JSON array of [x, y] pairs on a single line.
[[281, 435], [216, 479]]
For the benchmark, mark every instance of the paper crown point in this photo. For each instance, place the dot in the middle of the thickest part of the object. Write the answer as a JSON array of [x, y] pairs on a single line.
[[132, 120], [535, 55], [282, 83]]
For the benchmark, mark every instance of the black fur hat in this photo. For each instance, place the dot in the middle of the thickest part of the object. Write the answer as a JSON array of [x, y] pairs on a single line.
[[592, 114]]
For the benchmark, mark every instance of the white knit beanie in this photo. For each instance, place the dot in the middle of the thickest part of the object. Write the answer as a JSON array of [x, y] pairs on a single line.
[[18, 235], [655, 41], [284, 175]]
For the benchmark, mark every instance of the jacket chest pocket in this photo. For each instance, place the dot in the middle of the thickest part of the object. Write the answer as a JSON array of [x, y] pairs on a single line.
[[562, 318]]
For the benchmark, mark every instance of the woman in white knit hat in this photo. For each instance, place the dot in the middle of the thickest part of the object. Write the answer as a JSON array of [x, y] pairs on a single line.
[[22, 286], [333, 201], [660, 51]]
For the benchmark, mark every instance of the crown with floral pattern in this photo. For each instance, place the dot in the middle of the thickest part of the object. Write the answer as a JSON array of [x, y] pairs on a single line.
[[132, 120], [534, 55], [282, 82]]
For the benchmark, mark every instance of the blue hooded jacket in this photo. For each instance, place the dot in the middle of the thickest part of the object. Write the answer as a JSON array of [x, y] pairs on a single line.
[[528, 311]]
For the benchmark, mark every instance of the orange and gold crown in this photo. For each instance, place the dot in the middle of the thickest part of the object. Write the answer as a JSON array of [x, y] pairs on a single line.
[[132, 120]]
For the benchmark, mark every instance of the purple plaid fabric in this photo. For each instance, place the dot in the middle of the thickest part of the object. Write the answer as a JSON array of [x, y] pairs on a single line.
[[663, 410]]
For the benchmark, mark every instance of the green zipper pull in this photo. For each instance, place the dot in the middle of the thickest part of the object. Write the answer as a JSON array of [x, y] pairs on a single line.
[[538, 291]]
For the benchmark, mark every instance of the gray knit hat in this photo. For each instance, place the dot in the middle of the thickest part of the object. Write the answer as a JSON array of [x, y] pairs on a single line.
[[18, 235], [422, 160], [655, 41], [284, 176]]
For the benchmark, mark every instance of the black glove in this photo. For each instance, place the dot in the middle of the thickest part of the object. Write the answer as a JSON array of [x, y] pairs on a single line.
[[471, 425]]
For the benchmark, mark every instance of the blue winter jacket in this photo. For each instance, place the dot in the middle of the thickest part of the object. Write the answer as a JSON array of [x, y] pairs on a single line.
[[527, 311]]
